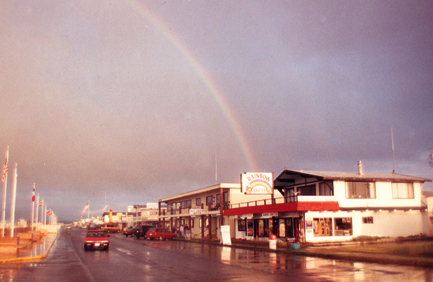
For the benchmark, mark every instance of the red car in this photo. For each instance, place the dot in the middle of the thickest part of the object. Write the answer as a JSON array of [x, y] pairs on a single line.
[[96, 239], [160, 233]]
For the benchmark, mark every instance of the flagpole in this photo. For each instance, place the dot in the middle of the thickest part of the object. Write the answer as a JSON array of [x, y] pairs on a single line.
[[88, 209], [37, 208], [33, 205], [45, 210], [14, 197], [42, 211], [5, 181]]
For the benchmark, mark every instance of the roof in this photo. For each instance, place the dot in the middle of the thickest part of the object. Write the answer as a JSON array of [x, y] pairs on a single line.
[[288, 177], [203, 190]]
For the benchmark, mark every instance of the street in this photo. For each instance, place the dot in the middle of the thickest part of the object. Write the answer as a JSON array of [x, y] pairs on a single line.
[[130, 259]]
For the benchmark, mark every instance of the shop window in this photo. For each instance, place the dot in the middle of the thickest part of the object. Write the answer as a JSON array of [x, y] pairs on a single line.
[[367, 220], [402, 191], [360, 190], [241, 225], [343, 226], [250, 227], [322, 227], [198, 201]]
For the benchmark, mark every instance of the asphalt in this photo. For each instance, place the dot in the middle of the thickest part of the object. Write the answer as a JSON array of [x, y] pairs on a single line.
[[40, 250]]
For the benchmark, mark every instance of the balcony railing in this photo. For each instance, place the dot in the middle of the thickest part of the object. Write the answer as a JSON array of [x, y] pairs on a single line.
[[206, 208], [281, 200]]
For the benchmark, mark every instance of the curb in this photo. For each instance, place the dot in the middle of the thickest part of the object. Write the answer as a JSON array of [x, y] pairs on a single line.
[[30, 258]]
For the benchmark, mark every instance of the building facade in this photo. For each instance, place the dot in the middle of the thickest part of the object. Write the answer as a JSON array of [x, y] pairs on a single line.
[[202, 211], [325, 206]]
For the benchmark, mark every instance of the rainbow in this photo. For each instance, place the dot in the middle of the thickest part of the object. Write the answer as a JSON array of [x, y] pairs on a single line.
[[204, 76]]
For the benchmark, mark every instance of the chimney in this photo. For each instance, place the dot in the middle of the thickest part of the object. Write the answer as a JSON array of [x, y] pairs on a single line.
[[359, 167]]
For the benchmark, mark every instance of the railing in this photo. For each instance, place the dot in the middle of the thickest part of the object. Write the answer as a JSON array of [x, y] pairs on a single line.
[[206, 208], [281, 200], [264, 202]]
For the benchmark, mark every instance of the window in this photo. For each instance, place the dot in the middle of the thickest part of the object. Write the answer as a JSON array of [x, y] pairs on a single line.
[[367, 220], [169, 207], [322, 227], [183, 204], [343, 226], [218, 199], [188, 204], [209, 200], [225, 197], [360, 190], [325, 189], [241, 225], [309, 190], [198, 201], [402, 191], [281, 227]]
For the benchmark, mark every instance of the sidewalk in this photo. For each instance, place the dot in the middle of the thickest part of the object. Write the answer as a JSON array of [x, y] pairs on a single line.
[[34, 252]]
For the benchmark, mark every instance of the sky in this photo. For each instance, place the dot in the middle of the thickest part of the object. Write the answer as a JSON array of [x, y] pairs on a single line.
[[118, 103]]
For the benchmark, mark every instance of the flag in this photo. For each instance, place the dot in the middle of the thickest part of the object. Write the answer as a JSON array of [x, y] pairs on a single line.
[[50, 214], [85, 208], [41, 203], [33, 195], [5, 168], [48, 211]]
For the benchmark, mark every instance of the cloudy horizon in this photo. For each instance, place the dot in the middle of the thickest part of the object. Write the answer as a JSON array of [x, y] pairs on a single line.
[[127, 102]]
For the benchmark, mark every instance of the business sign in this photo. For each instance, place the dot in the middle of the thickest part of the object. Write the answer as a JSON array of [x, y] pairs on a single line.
[[196, 211], [152, 206], [257, 183], [225, 235]]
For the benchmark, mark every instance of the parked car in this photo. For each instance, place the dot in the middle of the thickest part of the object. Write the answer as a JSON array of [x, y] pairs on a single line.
[[160, 233], [140, 231], [128, 231], [96, 239]]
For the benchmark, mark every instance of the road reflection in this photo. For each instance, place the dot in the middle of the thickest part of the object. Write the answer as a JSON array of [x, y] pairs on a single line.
[[311, 267]]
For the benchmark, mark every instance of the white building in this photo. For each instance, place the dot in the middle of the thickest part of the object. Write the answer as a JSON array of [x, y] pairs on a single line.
[[323, 206]]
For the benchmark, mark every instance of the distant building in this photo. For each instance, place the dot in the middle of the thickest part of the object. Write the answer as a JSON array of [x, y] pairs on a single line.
[[142, 215]]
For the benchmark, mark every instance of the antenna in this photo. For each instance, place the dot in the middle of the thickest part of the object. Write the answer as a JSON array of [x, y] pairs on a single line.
[[216, 167], [393, 157]]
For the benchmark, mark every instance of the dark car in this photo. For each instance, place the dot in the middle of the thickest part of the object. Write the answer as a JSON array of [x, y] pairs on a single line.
[[160, 233], [140, 231], [128, 231], [96, 239]]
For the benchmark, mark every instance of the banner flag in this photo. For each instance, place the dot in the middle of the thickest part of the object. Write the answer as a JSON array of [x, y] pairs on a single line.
[[48, 211], [85, 208], [33, 195], [5, 167]]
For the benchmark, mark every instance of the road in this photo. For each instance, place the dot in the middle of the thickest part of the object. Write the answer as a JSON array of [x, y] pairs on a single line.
[[130, 259]]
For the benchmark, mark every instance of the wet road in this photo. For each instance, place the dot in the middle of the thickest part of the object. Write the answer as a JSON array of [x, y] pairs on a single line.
[[140, 260]]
